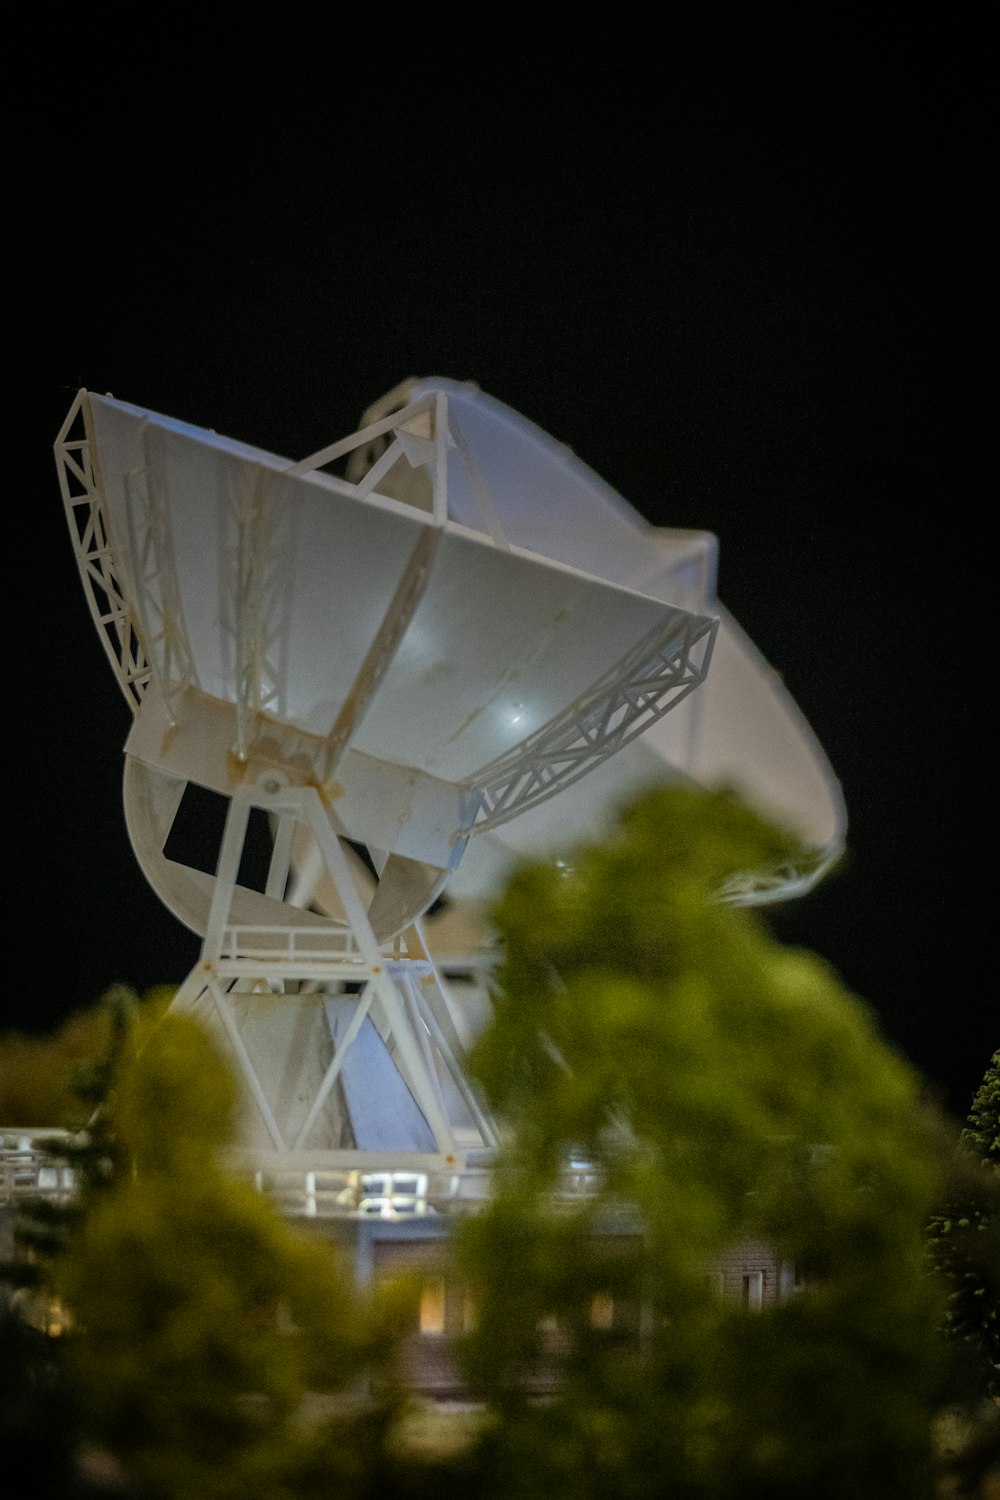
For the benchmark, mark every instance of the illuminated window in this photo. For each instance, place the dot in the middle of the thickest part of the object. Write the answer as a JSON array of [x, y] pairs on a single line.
[[602, 1311], [432, 1308], [753, 1289], [56, 1319]]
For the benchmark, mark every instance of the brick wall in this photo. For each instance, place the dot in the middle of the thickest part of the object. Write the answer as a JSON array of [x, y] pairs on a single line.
[[749, 1273]]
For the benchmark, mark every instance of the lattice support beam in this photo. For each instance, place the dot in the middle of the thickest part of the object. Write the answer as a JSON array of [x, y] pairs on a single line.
[[104, 584], [154, 573], [238, 958], [650, 680]]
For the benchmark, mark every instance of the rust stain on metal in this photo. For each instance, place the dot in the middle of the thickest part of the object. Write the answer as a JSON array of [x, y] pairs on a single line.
[[236, 767], [329, 791]]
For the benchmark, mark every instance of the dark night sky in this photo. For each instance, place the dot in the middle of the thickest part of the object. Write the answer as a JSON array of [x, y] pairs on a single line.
[[753, 299]]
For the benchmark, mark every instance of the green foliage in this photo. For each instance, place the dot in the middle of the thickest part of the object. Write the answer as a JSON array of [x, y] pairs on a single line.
[[101, 1040], [964, 1243], [41, 1403], [48, 1080], [981, 1135], [724, 1088], [201, 1321], [727, 1090]]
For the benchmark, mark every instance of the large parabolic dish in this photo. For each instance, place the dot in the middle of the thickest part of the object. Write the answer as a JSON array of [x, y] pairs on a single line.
[[440, 643], [741, 729], [429, 676]]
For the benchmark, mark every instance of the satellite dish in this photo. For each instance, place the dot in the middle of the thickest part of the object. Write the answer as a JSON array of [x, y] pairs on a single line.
[[372, 647], [742, 728]]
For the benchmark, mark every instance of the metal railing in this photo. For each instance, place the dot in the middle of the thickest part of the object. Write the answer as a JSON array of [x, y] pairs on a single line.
[[31, 1165], [289, 945]]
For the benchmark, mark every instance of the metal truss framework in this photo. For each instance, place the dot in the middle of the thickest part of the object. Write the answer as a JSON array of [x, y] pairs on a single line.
[[262, 958], [144, 633], [417, 432], [649, 681], [157, 599], [34, 1164], [253, 594], [142, 628], [131, 587], [108, 597], [779, 883]]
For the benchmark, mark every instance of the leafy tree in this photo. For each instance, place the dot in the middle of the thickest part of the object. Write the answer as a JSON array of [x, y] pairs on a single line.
[[203, 1329], [47, 1080], [965, 1240], [982, 1133], [202, 1321], [726, 1089], [61, 1080]]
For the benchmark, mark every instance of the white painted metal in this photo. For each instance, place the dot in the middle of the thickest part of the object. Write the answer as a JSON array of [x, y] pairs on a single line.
[[741, 728], [285, 617], [359, 664], [316, 1185], [319, 960]]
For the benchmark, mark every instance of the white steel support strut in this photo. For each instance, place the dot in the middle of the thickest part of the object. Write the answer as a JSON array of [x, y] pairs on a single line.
[[330, 1076], [274, 958], [425, 1088]]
